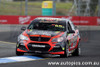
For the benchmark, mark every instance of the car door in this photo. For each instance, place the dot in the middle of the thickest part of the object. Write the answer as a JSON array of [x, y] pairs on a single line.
[[72, 37]]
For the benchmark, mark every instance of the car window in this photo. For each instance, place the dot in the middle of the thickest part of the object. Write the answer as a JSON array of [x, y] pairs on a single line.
[[47, 26], [69, 27], [72, 25]]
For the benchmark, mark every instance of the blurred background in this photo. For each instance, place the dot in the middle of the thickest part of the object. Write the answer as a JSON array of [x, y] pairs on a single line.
[[63, 7]]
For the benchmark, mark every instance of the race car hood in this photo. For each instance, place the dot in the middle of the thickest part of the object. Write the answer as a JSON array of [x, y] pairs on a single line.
[[42, 32]]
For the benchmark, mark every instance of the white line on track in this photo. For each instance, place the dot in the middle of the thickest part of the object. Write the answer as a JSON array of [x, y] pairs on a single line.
[[19, 59], [7, 42]]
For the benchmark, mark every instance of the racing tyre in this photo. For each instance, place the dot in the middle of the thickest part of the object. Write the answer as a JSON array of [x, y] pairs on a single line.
[[19, 53], [66, 51], [77, 51]]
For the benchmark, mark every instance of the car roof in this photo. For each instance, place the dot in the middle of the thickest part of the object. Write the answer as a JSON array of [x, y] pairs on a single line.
[[51, 18]]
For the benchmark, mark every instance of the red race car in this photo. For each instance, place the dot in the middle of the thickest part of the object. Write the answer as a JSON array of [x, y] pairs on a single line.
[[49, 36]]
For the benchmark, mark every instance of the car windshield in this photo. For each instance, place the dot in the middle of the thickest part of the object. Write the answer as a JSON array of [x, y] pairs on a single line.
[[47, 26]]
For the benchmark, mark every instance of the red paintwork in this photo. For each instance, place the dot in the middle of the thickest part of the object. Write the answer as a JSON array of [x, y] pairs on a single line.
[[20, 50], [57, 52], [77, 20], [76, 45]]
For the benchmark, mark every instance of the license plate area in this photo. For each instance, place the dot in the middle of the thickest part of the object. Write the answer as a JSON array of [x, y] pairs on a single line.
[[38, 46]]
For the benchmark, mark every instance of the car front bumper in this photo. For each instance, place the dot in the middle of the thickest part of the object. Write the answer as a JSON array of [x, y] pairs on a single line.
[[50, 48]]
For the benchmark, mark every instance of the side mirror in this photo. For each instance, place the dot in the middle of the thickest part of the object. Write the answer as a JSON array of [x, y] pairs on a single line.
[[71, 31], [23, 28]]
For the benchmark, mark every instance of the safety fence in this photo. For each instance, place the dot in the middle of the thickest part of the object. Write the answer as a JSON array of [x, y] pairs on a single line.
[[77, 20]]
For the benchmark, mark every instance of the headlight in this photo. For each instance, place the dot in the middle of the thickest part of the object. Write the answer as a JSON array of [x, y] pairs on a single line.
[[60, 39], [22, 37]]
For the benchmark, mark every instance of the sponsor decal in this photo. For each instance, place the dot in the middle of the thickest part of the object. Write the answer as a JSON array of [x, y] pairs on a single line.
[[3, 21], [41, 33], [43, 46], [77, 21], [49, 20], [23, 20], [45, 5], [81, 21]]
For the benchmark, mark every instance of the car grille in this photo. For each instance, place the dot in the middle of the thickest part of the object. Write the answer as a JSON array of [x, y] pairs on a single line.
[[39, 38], [46, 48]]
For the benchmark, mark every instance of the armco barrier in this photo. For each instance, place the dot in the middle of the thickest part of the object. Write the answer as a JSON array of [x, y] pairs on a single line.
[[93, 21]]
